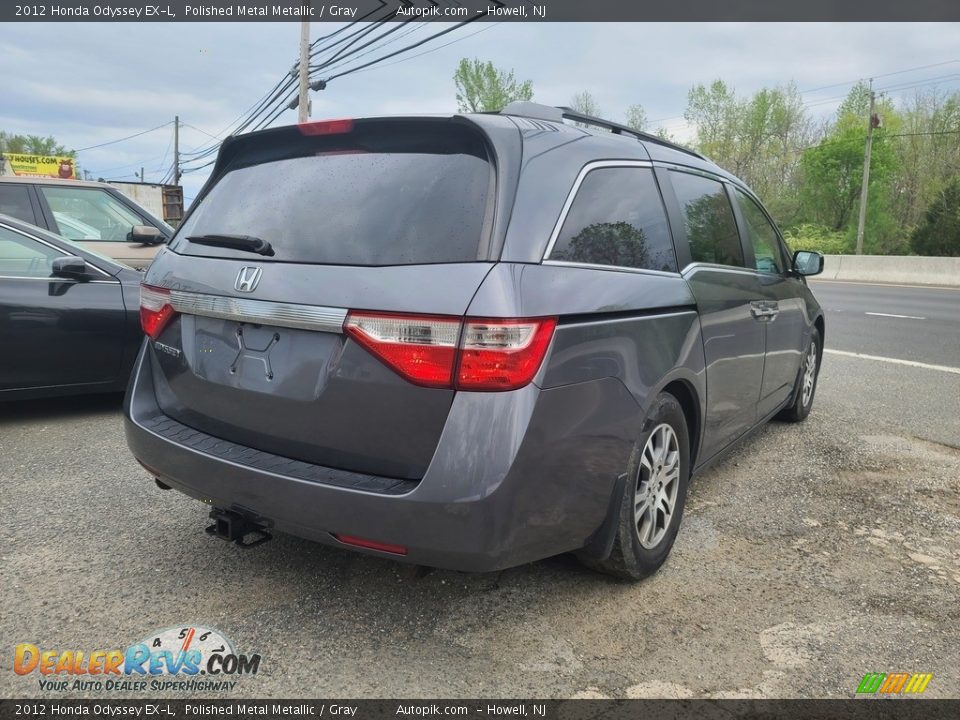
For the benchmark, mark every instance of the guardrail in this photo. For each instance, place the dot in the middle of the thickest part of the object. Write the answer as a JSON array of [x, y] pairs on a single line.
[[908, 269]]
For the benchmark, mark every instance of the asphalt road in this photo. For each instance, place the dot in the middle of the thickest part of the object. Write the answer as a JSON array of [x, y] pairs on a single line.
[[815, 553], [906, 322]]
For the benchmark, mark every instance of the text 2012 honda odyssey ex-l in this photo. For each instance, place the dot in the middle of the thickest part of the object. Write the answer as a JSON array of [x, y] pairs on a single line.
[[467, 342]]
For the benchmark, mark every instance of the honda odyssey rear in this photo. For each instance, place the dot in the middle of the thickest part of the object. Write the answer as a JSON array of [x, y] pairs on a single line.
[[382, 334]]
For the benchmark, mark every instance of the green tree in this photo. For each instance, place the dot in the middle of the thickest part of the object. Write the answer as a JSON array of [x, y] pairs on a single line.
[[481, 87], [754, 137], [31, 145], [928, 151], [637, 117], [831, 176], [939, 233]]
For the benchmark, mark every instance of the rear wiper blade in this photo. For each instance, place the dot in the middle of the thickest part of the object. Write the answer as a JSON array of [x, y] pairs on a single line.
[[247, 243]]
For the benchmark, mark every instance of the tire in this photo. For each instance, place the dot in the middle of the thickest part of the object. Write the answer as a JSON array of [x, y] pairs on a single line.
[[806, 382], [639, 547]]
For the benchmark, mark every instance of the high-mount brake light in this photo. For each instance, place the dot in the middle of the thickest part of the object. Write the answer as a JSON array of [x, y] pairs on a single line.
[[326, 127], [445, 352], [155, 310]]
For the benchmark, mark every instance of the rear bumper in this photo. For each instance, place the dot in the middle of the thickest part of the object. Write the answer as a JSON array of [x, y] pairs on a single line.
[[516, 477]]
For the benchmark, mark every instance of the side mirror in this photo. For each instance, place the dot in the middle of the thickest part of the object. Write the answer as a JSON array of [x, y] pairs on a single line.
[[807, 262], [145, 235], [70, 266]]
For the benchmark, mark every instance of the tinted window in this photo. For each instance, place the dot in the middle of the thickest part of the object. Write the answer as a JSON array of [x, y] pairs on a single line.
[[763, 237], [711, 228], [15, 202], [22, 257], [351, 208], [617, 218], [89, 213]]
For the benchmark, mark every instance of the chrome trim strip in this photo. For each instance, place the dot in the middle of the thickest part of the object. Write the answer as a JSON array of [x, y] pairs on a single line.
[[617, 268], [260, 312], [651, 314], [584, 171], [715, 267]]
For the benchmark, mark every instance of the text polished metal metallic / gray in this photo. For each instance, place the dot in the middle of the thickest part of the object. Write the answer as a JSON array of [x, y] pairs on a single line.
[[262, 312]]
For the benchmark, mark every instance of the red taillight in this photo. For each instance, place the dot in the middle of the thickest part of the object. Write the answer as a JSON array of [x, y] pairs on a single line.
[[326, 127], [371, 544], [422, 348], [155, 310], [445, 352], [502, 354]]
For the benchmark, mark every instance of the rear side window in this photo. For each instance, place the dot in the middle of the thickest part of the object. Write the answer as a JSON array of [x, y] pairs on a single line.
[[711, 227], [617, 218], [15, 202], [353, 206]]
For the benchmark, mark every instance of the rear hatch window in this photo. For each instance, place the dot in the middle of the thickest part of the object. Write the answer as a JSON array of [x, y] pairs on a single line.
[[384, 193]]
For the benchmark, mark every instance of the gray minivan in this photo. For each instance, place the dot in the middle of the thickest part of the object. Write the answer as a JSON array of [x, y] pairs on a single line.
[[466, 342]]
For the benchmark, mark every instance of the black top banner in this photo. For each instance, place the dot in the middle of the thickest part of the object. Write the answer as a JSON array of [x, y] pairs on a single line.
[[458, 11]]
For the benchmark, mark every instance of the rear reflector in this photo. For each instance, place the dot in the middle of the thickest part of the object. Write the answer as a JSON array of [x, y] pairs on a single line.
[[326, 127], [371, 544], [445, 352], [155, 310]]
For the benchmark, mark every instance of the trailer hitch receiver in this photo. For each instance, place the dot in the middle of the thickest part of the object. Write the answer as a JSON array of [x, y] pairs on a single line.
[[234, 527]]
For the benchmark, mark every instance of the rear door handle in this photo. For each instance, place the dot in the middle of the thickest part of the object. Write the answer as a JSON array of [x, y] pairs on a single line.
[[764, 309]]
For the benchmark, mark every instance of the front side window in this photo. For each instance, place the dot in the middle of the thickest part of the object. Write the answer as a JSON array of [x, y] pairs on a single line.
[[711, 227], [89, 213], [617, 218], [763, 236], [21, 256]]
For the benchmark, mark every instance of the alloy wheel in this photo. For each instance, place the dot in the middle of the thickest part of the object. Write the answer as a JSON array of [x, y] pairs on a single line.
[[657, 486], [809, 374]]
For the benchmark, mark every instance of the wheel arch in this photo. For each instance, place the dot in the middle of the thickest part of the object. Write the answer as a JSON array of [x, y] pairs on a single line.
[[820, 325], [689, 401]]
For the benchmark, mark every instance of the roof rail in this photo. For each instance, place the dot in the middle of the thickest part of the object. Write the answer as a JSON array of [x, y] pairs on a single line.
[[527, 109], [618, 129], [537, 111]]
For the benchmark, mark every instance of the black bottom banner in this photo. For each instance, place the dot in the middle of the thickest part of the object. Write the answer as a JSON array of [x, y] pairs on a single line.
[[892, 709]]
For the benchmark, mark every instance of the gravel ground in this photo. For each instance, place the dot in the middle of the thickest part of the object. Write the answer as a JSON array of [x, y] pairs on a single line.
[[813, 554]]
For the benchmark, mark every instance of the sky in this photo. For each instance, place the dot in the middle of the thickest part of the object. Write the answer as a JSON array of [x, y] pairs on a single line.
[[94, 83]]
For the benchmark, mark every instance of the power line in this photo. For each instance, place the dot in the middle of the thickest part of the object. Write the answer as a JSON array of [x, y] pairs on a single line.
[[128, 137], [877, 77], [489, 26], [405, 49]]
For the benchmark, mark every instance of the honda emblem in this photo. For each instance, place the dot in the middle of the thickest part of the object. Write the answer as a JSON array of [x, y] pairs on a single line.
[[247, 278]]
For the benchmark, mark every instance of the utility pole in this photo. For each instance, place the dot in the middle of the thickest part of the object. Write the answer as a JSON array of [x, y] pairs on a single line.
[[176, 150], [303, 107], [866, 172]]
